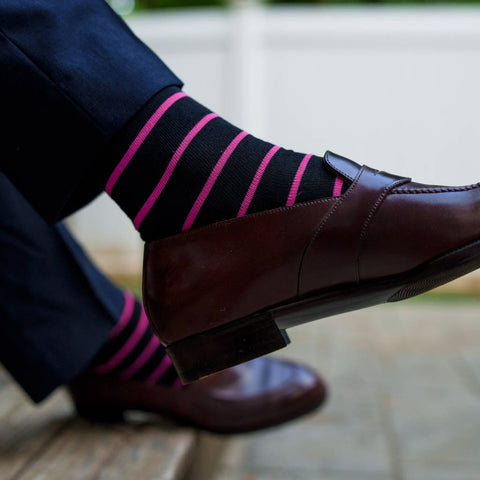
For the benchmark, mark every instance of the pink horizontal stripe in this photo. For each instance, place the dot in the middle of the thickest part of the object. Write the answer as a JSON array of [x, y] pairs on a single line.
[[140, 138], [159, 372], [337, 187], [256, 180], [169, 170], [142, 359], [127, 348], [211, 180], [292, 196], [125, 315]]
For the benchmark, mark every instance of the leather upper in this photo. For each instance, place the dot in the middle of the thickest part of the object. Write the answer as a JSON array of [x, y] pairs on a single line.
[[212, 275], [256, 394], [332, 257], [382, 225]]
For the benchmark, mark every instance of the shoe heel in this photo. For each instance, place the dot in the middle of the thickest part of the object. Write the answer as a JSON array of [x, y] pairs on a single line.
[[100, 413], [226, 346]]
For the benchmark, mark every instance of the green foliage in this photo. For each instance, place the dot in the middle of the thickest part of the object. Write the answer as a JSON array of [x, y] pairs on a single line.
[[437, 2], [142, 4], [148, 4]]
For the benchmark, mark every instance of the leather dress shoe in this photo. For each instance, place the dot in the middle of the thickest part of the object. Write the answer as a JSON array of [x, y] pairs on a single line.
[[225, 293], [255, 395]]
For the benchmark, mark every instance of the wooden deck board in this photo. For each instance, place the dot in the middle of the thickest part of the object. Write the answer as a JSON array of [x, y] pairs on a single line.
[[49, 442], [25, 430]]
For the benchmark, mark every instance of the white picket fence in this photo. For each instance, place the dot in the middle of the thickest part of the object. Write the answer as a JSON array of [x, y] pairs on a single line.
[[396, 88]]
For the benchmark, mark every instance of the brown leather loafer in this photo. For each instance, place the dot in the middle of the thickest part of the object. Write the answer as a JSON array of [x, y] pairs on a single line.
[[225, 293], [255, 395]]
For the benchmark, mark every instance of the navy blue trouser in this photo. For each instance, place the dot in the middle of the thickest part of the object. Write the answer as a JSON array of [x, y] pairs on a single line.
[[72, 74], [56, 308]]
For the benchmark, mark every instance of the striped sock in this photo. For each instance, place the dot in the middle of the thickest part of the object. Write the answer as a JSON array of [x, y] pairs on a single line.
[[178, 166], [133, 352]]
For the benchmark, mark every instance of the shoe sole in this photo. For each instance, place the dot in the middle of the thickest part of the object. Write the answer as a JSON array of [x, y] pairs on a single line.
[[264, 332], [108, 413]]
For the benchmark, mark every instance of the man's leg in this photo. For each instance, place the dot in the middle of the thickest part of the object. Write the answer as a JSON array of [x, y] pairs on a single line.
[[305, 237], [72, 74], [56, 308], [59, 314], [63, 322]]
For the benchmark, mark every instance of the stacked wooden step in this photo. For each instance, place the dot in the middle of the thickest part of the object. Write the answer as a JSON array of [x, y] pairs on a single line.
[[49, 442]]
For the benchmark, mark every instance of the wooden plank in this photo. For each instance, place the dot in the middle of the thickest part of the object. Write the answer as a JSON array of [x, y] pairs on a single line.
[[124, 451], [26, 429], [48, 442], [79, 452], [152, 451]]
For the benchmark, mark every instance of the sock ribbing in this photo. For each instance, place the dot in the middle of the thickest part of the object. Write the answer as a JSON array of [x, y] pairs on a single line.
[[182, 166], [133, 352]]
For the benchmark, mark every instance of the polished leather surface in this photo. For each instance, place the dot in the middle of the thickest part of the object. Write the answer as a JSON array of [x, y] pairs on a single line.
[[257, 394], [382, 225], [332, 257], [212, 275], [444, 219]]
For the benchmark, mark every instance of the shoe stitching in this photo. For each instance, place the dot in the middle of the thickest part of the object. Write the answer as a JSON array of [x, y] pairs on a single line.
[[222, 223], [340, 201], [401, 191], [376, 207]]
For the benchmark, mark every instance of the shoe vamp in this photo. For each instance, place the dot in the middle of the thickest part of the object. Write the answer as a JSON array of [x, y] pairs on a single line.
[[410, 229]]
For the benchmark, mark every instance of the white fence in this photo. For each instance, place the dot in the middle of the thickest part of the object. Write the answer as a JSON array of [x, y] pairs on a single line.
[[396, 88]]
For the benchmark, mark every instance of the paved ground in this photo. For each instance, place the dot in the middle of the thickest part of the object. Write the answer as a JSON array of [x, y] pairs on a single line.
[[404, 400], [404, 405]]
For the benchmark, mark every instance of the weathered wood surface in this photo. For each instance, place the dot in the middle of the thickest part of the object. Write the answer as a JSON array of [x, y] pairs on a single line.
[[49, 442]]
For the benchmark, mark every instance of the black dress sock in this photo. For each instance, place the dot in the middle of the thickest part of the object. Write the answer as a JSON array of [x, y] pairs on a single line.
[[133, 352], [178, 166]]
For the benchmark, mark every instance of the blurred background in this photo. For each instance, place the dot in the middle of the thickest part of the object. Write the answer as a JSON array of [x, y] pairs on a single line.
[[391, 84], [394, 86]]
